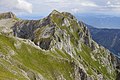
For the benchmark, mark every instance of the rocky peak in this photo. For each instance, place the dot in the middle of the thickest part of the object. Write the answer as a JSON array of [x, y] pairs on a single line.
[[7, 15], [46, 30], [55, 12], [67, 14], [62, 14], [57, 27]]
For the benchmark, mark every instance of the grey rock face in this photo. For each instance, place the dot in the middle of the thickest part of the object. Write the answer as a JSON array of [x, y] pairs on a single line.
[[69, 15], [36, 31], [80, 74], [24, 29]]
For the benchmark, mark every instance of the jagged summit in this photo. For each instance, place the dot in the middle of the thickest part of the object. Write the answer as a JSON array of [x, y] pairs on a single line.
[[43, 32], [7, 15], [55, 12], [64, 14]]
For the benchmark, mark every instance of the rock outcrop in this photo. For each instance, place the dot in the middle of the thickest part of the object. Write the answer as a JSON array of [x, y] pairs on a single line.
[[7, 15], [7, 21]]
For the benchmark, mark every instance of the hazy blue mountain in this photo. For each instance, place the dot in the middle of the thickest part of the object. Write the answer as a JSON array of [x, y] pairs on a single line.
[[100, 21], [109, 38]]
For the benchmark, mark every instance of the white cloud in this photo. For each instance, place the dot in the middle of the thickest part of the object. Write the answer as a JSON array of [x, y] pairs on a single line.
[[75, 10], [24, 5], [16, 5], [89, 4], [74, 6], [73, 2], [113, 6], [43, 7], [108, 2]]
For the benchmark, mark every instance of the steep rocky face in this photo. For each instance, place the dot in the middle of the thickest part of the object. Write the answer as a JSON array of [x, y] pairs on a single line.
[[25, 29], [44, 31], [64, 51]]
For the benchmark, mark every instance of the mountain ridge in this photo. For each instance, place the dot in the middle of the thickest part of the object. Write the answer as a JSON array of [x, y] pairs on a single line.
[[65, 51]]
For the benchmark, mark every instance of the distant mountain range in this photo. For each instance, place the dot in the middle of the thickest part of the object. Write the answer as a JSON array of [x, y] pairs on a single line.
[[100, 21], [109, 38]]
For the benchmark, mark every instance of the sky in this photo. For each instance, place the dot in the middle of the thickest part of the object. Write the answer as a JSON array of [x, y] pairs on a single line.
[[32, 8]]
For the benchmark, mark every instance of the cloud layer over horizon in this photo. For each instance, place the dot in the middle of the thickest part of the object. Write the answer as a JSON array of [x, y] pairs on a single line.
[[15, 6], [43, 7]]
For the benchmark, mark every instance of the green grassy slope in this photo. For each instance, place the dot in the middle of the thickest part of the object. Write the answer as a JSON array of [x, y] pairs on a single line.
[[16, 60], [25, 57]]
